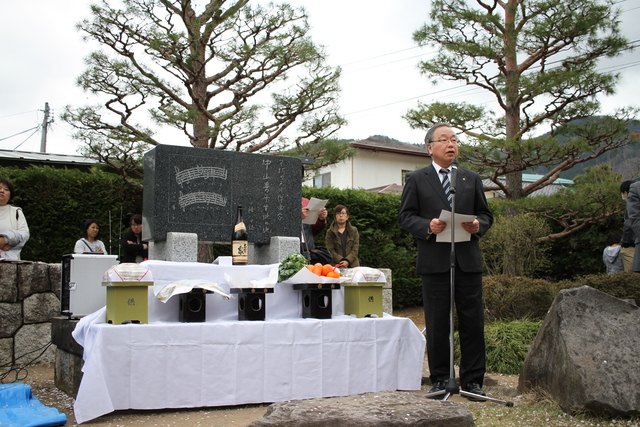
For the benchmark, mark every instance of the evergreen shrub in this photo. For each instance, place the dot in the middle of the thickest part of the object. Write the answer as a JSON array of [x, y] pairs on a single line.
[[507, 344], [621, 285], [514, 297]]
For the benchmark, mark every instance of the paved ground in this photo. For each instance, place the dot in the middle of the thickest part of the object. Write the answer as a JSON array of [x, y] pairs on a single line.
[[41, 379]]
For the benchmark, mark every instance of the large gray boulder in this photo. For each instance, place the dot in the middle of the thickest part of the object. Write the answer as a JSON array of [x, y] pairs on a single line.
[[587, 354], [385, 408]]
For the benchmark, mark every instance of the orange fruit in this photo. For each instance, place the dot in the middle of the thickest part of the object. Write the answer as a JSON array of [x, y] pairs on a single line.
[[326, 269], [310, 267], [317, 269], [333, 274]]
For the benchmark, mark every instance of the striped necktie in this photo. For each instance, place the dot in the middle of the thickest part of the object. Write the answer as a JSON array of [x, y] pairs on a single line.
[[446, 185]]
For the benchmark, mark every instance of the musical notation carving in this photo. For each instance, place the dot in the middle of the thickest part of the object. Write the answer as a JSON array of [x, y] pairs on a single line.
[[200, 172]]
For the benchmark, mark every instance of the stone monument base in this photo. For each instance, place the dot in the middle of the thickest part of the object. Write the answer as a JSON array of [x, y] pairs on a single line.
[[277, 249], [183, 247], [179, 247]]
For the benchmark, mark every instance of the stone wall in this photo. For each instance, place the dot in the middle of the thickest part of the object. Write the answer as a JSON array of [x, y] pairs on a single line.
[[29, 299]]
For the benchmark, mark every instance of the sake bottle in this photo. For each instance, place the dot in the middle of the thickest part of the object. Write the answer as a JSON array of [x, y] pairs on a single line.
[[239, 242]]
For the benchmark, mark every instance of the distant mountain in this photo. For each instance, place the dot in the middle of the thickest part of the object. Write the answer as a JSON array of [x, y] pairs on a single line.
[[624, 160]]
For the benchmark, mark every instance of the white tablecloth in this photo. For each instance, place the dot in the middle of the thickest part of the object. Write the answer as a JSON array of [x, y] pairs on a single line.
[[178, 365], [223, 361]]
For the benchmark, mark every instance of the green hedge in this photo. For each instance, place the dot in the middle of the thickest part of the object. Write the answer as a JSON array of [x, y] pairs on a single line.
[[57, 202]]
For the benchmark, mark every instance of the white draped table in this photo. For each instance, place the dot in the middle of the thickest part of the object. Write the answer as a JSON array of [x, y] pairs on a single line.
[[223, 361]]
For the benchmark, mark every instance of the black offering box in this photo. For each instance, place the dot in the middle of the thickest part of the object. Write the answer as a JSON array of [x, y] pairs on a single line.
[[316, 299], [193, 306], [251, 302]]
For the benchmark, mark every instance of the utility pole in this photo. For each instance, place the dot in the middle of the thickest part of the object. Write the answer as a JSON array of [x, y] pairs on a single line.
[[45, 125]]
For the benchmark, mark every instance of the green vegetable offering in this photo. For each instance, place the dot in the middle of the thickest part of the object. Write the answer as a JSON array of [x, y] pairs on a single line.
[[290, 265]]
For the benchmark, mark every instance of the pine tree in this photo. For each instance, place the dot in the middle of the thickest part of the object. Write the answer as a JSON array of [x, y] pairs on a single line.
[[538, 59], [226, 75]]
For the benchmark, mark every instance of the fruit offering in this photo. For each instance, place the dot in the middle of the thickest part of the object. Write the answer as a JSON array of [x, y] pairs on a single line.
[[326, 270]]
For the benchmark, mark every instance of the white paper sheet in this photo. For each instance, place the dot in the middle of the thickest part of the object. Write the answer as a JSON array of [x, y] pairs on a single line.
[[315, 206], [460, 234], [184, 286]]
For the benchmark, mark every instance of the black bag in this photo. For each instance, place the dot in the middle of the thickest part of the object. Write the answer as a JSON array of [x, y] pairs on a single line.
[[322, 255]]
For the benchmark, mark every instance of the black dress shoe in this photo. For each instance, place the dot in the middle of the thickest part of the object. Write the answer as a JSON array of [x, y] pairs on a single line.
[[475, 389], [438, 386]]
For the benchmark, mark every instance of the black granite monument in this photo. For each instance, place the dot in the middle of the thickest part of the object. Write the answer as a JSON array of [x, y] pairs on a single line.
[[196, 190]]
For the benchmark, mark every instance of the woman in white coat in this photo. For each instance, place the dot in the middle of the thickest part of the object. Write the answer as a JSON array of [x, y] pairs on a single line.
[[14, 230]]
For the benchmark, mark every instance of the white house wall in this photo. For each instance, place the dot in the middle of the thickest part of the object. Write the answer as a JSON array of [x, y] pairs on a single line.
[[370, 169]]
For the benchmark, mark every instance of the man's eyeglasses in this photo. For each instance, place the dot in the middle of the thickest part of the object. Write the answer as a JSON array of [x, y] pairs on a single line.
[[453, 141]]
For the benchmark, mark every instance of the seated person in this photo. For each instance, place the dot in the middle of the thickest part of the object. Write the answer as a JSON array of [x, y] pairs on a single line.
[[135, 250], [14, 230], [343, 239], [90, 243], [307, 244]]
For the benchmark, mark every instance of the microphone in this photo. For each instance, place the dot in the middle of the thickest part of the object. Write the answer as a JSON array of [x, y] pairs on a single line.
[[454, 174]]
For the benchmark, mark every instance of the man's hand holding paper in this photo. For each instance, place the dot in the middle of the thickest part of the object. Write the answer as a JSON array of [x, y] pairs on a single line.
[[316, 209], [464, 226]]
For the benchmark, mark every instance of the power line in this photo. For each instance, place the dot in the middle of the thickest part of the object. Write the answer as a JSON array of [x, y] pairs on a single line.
[[404, 100], [633, 43], [380, 56], [34, 132], [20, 133], [17, 114]]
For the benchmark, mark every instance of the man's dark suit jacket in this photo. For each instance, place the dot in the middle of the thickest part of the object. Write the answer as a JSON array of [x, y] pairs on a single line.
[[423, 199], [633, 212]]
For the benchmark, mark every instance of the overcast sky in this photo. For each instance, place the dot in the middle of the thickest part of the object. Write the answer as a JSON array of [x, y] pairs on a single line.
[[42, 54]]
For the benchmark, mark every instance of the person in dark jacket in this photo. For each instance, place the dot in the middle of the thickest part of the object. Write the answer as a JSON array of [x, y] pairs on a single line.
[[628, 235], [307, 243], [133, 248], [426, 194], [342, 239]]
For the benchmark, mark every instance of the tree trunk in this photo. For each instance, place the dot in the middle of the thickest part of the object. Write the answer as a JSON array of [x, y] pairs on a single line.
[[512, 111]]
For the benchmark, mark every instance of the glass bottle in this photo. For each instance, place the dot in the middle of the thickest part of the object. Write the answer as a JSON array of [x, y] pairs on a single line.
[[239, 241]]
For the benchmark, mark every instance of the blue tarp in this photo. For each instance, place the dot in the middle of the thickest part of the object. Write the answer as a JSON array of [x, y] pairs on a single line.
[[19, 408]]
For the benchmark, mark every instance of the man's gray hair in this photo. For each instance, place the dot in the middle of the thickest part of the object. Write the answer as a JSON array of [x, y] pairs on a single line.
[[428, 138]]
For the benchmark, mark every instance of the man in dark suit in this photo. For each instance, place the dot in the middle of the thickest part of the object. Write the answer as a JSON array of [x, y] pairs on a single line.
[[628, 236], [633, 213], [423, 199]]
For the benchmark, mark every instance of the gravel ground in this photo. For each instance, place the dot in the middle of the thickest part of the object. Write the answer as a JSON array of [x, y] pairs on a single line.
[[529, 410]]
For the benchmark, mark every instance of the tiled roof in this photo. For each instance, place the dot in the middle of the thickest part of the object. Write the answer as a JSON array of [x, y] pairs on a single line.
[[529, 178], [387, 189], [545, 191], [27, 156], [395, 147]]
